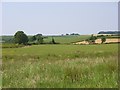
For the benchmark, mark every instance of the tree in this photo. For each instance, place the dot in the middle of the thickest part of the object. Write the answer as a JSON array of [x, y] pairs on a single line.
[[103, 39], [20, 37], [33, 38], [92, 38], [72, 34], [39, 38], [67, 34], [53, 41]]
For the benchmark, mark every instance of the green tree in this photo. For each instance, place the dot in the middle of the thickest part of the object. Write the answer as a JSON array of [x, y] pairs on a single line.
[[103, 39], [20, 37], [92, 38], [33, 38], [53, 41], [39, 38]]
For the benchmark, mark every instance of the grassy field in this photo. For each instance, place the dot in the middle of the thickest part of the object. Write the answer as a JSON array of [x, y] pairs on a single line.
[[11, 45], [67, 39], [61, 66]]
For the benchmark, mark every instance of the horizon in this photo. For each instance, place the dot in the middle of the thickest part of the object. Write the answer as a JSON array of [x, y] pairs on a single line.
[[60, 34]]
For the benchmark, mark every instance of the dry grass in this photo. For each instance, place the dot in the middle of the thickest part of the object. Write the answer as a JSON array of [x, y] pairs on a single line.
[[114, 40], [98, 41]]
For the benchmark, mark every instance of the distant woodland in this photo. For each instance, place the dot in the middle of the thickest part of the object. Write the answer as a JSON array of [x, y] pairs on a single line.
[[109, 32]]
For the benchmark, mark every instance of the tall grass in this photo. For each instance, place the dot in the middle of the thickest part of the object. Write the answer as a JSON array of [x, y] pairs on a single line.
[[61, 66]]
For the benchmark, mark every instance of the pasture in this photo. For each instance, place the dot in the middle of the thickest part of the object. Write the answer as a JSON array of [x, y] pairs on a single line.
[[60, 66]]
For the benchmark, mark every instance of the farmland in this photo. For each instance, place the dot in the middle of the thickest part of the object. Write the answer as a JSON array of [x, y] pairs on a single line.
[[67, 39], [61, 66]]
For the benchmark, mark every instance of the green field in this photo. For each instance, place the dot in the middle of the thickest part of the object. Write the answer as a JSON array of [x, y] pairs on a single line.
[[67, 39], [11, 45], [60, 66]]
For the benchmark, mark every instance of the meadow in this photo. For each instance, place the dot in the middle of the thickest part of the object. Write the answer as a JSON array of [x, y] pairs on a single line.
[[60, 66]]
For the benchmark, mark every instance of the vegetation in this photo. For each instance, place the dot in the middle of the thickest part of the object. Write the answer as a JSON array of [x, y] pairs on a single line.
[[7, 39], [66, 39], [103, 39], [20, 37], [53, 41], [12, 45], [32, 39], [91, 39], [58, 66], [109, 32], [39, 38], [61, 66]]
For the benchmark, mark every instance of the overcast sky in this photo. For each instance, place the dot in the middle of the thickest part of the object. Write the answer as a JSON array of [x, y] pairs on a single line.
[[52, 18]]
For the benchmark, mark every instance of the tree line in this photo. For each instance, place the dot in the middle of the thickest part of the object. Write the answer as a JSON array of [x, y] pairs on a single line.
[[21, 38], [109, 32]]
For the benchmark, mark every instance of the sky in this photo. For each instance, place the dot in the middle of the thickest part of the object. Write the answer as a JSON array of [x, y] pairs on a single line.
[[0, 19], [60, 0], [56, 18], [119, 16]]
